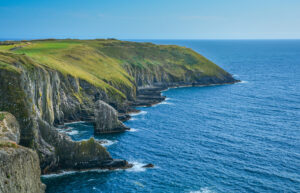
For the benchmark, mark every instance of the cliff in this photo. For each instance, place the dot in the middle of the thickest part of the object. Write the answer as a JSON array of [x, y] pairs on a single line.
[[19, 166], [45, 83]]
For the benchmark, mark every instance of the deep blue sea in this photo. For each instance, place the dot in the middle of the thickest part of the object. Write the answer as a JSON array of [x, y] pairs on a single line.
[[232, 138]]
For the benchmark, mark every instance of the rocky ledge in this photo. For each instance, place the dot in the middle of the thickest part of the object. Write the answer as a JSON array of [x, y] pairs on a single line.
[[151, 94]]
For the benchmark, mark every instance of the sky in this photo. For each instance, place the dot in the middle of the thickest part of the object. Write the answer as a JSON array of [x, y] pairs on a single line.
[[150, 19]]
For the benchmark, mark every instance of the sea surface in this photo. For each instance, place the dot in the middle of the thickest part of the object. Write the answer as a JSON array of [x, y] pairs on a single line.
[[243, 137]]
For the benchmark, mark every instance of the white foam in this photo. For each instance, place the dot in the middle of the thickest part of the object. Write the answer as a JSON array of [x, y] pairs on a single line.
[[133, 130], [108, 142], [132, 119], [65, 173], [65, 130], [139, 113], [243, 82], [236, 75], [163, 103], [137, 167], [203, 190], [69, 123], [72, 132]]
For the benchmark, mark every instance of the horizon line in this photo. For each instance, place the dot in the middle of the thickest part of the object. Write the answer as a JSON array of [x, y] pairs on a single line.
[[130, 39]]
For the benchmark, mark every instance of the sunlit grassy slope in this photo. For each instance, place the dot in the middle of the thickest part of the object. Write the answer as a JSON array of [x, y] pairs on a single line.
[[102, 62]]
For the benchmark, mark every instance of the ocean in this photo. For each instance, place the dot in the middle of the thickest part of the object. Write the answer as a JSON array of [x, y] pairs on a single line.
[[243, 137]]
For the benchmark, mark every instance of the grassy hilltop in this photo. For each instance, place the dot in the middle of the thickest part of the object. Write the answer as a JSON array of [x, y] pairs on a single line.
[[107, 63]]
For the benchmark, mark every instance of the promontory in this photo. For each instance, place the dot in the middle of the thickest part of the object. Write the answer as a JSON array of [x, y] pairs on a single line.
[[46, 83]]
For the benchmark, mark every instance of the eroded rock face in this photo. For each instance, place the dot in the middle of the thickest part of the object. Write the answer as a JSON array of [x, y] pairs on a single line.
[[19, 166], [42, 98], [106, 119], [9, 127], [71, 154], [19, 169]]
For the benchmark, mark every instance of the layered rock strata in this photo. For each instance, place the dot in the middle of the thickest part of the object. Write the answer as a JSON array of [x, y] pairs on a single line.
[[19, 166]]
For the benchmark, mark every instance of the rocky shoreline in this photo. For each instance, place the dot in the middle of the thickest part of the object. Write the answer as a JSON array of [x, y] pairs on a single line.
[[146, 97], [121, 76], [152, 95]]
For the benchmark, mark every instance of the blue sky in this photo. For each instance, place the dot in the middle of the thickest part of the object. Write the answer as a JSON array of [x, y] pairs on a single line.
[[152, 19]]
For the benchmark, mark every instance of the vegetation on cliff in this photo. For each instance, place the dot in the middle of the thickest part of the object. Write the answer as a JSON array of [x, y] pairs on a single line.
[[108, 64]]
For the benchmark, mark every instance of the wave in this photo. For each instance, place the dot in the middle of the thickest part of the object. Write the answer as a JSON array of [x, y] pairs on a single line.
[[203, 190], [66, 173], [63, 173], [163, 103], [108, 142], [243, 82], [139, 113], [133, 130], [72, 132], [68, 131], [132, 119], [137, 167], [70, 123]]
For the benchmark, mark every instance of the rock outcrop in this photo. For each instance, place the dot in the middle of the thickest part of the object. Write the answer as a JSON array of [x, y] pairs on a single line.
[[106, 119], [19, 166], [19, 169], [40, 99], [9, 127]]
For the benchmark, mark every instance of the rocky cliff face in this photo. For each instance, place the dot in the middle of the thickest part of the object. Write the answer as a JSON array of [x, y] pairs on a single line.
[[106, 119], [19, 166], [93, 80], [40, 98]]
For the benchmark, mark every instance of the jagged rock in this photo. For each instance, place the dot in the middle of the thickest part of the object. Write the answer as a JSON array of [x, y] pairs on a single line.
[[9, 127], [71, 154], [106, 119], [116, 164], [19, 166], [148, 166]]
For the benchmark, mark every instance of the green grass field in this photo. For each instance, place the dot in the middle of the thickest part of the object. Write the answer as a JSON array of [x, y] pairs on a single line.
[[102, 62]]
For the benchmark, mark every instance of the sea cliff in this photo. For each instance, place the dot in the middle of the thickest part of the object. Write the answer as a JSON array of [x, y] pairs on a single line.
[[45, 83]]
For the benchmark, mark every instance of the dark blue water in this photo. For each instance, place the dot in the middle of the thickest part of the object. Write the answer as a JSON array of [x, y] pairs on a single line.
[[233, 138]]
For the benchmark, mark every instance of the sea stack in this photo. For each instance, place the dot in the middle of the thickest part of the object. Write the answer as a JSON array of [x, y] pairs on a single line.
[[106, 119]]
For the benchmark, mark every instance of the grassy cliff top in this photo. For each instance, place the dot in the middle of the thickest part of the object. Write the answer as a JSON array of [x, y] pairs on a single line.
[[102, 62]]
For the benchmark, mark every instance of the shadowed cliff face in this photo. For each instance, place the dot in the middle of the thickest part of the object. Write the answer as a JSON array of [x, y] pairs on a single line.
[[19, 166], [45, 87]]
